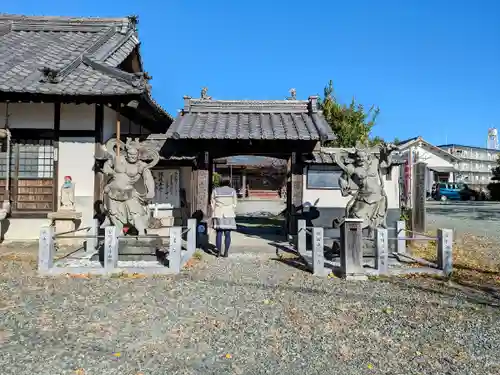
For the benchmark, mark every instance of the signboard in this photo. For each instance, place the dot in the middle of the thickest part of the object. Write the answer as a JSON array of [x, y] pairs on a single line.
[[167, 186]]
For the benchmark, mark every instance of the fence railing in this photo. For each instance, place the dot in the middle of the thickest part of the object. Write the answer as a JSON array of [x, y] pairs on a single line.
[[351, 248], [176, 259]]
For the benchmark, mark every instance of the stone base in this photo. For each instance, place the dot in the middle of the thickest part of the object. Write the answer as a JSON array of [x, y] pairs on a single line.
[[66, 221]]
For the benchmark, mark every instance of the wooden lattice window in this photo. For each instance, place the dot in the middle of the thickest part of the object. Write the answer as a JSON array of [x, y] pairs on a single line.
[[32, 176]]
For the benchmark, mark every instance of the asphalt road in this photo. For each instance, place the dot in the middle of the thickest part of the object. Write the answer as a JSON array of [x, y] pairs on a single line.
[[478, 218]]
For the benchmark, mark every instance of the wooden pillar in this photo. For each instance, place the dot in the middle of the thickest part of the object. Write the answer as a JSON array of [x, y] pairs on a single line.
[[99, 129], [294, 193], [201, 187]]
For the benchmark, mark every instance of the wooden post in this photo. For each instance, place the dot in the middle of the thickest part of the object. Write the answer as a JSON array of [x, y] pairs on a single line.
[[118, 132]]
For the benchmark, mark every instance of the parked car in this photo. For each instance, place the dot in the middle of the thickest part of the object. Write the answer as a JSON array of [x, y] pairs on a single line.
[[454, 191]]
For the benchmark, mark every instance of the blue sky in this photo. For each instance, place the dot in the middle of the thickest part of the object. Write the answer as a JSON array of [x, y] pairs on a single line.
[[433, 67]]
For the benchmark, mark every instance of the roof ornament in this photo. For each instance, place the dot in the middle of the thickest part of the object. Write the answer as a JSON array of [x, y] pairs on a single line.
[[204, 94], [293, 94], [49, 74]]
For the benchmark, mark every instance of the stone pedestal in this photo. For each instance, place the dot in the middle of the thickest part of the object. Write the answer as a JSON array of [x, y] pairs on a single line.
[[351, 250], [65, 221]]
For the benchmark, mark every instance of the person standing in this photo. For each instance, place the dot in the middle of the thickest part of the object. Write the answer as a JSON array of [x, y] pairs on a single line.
[[224, 200]]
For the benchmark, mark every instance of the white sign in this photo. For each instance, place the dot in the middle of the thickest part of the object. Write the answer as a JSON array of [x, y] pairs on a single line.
[[167, 186]]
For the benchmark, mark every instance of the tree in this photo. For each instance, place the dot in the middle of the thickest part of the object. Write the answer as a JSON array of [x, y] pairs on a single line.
[[351, 124], [494, 187]]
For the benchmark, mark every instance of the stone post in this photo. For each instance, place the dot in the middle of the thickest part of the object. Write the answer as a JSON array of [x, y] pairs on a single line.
[[401, 235], [419, 198], [318, 253], [92, 240], [191, 236], [46, 249], [445, 251], [381, 251], [301, 237], [351, 250], [110, 248], [175, 250]]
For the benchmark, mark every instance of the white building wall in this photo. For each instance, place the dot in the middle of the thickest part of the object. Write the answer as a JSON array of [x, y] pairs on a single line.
[[75, 158], [332, 198]]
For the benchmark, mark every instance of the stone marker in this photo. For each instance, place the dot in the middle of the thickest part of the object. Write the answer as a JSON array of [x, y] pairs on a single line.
[[318, 253], [92, 240], [175, 250], [110, 248], [191, 241], [381, 251], [351, 250], [445, 251], [301, 237], [401, 235], [419, 198], [46, 249]]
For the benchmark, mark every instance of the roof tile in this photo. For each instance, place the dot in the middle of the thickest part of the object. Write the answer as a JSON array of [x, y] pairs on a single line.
[[31, 44], [246, 119]]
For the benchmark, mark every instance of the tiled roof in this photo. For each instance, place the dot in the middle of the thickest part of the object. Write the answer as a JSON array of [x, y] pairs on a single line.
[[318, 157], [250, 119], [251, 160], [68, 56]]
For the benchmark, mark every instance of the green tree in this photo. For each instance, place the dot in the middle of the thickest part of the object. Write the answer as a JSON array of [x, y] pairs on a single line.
[[494, 187], [350, 123], [216, 179]]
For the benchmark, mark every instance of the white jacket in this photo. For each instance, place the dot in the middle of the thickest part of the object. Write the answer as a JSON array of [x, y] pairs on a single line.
[[224, 201]]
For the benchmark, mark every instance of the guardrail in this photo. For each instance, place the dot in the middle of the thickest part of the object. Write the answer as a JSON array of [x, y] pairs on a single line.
[[351, 248], [175, 260]]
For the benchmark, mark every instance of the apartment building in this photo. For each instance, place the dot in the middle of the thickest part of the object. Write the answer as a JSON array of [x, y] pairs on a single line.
[[475, 165]]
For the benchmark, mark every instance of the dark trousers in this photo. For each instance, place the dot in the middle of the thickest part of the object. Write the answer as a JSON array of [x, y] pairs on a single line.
[[227, 241]]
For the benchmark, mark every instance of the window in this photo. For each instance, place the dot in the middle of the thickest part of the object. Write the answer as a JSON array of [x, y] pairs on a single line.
[[323, 177], [32, 176]]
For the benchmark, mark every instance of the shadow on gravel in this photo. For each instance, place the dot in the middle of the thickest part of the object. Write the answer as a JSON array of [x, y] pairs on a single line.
[[261, 286], [473, 293]]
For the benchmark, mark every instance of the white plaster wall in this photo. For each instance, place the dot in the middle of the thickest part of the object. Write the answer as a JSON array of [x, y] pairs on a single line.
[[77, 117], [333, 198], [430, 158], [21, 229], [29, 115], [76, 159]]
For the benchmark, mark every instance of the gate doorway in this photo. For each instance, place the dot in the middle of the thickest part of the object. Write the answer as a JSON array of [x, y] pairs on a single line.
[[210, 130]]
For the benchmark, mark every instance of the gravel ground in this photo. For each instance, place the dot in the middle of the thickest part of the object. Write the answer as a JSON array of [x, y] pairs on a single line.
[[248, 314], [242, 315]]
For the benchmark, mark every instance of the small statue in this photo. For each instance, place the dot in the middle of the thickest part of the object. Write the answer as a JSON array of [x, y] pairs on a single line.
[[204, 94], [366, 169], [293, 94], [67, 194], [125, 205]]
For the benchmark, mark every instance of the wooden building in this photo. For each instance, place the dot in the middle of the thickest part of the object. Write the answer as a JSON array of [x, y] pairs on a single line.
[[254, 176], [65, 85], [213, 129]]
